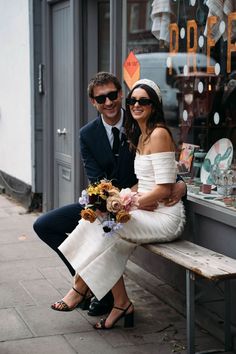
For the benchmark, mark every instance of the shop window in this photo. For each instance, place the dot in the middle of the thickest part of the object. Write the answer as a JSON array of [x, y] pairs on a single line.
[[139, 16], [192, 56]]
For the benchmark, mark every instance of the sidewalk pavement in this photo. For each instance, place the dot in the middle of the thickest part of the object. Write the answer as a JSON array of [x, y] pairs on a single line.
[[32, 277]]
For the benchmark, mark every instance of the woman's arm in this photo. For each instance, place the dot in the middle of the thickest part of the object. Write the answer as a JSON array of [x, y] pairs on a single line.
[[149, 200], [160, 141]]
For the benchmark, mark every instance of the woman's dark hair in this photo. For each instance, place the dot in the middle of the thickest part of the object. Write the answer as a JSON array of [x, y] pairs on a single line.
[[156, 118]]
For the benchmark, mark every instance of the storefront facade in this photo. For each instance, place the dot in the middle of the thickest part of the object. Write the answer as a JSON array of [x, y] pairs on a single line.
[[188, 48], [185, 46]]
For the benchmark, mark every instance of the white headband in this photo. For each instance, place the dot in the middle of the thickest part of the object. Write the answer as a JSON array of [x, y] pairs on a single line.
[[151, 84]]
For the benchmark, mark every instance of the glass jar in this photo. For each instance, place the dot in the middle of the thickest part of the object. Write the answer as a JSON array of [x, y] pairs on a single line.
[[198, 159]]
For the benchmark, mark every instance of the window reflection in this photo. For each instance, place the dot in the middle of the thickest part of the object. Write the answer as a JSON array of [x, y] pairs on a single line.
[[199, 90], [139, 16], [103, 35]]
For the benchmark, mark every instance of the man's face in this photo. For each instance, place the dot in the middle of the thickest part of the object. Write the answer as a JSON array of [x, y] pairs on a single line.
[[109, 106]]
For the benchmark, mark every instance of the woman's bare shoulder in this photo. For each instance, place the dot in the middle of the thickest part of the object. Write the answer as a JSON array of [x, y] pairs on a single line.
[[161, 140], [160, 132]]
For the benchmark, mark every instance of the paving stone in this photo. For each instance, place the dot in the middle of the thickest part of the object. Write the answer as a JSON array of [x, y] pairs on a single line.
[[61, 284], [204, 343], [53, 273], [23, 251], [64, 271], [46, 345], [12, 326], [94, 343], [25, 270], [41, 291], [20, 225], [117, 337], [43, 321], [51, 260], [13, 236], [5, 202], [32, 276], [151, 349], [3, 214], [13, 294], [90, 342]]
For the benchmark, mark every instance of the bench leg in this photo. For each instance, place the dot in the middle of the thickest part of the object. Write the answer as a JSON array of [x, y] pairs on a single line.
[[228, 336], [190, 315], [190, 311]]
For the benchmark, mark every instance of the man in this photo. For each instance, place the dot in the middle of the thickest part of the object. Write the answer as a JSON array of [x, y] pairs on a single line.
[[105, 153]]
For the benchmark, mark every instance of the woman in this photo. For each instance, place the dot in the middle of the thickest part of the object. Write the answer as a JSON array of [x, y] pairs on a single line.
[[100, 261]]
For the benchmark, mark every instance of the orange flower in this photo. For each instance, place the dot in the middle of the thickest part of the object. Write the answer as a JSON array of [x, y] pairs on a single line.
[[89, 215], [105, 185], [122, 216]]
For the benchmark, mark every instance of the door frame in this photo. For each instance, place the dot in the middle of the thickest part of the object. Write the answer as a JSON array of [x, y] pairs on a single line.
[[47, 103], [84, 66]]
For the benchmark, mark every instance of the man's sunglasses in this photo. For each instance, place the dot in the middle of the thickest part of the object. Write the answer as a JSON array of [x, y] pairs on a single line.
[[102, 98], [142, 101]]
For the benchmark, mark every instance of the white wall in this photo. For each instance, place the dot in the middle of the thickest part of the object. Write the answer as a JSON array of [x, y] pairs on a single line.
[[15, 120]]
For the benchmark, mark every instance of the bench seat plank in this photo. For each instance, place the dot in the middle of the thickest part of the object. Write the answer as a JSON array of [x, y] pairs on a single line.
[[200, 260]]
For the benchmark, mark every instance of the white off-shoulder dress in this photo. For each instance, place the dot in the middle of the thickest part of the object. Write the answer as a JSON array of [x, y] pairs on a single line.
[[101, 260]]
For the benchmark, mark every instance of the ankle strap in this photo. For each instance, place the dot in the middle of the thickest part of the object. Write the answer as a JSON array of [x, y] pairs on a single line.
[[124, 310], [78, 292]]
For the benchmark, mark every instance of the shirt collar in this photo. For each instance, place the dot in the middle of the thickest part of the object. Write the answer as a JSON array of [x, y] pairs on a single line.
[[118, 125]]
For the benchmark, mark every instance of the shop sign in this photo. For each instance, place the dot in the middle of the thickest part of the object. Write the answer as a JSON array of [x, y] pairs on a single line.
[[131, 70], [192, 47]]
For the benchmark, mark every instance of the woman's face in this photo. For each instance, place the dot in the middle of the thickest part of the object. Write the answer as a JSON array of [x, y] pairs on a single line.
[[142, 108]]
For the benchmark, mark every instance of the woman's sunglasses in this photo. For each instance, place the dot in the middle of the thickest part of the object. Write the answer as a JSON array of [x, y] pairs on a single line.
[[102, 98], [142, 101]]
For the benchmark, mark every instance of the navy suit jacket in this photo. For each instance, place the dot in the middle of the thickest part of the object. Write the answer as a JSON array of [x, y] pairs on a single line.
[[99, 161]]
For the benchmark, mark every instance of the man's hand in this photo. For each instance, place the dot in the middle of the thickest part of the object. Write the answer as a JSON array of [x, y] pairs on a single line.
[[149, 207], [178, 191]]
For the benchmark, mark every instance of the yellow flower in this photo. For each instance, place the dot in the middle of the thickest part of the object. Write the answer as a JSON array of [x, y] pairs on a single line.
[[89, 215], [93, 190]]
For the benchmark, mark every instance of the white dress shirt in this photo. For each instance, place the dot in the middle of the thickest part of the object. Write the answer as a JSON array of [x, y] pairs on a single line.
[[109, 127]]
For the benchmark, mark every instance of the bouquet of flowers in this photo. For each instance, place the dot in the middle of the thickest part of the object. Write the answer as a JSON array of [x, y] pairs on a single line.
[[108, 204]]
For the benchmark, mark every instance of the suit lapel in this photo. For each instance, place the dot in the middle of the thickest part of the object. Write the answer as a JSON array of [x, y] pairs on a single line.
[[103, 141]]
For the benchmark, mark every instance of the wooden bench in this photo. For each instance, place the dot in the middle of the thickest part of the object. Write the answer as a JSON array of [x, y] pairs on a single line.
[[206, 263]]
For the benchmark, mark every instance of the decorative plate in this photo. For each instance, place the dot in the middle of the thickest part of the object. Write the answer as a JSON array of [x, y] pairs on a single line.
[[220, 154]]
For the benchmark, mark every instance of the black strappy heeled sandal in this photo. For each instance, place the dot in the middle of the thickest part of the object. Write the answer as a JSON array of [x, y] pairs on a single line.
[[83, 303], [128, 319]]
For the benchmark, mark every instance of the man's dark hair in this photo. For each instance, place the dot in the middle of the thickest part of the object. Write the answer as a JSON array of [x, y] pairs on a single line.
[[102, 78]]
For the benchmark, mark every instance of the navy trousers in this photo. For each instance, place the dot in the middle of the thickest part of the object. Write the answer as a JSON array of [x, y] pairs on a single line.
[[53, 227]]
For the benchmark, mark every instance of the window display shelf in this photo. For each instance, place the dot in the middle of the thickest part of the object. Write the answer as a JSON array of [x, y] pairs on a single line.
[[213, 205], [213, 198]]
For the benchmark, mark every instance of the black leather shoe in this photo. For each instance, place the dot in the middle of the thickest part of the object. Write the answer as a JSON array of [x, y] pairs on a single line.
[[99, 308]]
